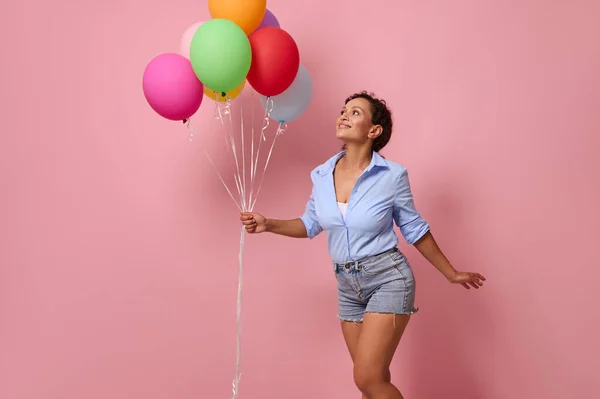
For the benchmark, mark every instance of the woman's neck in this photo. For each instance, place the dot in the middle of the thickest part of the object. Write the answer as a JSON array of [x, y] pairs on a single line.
[[357, 158]]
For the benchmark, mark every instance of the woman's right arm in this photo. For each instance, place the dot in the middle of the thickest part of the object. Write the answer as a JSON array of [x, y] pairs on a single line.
[[290, 228], [256, 223], [306, 226]]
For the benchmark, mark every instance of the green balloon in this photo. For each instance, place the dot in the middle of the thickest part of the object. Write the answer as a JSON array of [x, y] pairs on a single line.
[[220, 54]]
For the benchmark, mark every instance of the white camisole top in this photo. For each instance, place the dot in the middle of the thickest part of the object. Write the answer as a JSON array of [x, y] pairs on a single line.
[[343, 208]]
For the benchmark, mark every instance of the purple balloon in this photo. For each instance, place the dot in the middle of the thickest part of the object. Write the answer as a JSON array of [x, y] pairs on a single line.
[[268, 20]]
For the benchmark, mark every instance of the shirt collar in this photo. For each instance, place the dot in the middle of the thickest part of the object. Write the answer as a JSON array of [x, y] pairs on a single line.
[[376, 161]]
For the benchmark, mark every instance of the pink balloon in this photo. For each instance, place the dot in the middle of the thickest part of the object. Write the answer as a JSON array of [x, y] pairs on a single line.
[[186, 39], [171, 87]]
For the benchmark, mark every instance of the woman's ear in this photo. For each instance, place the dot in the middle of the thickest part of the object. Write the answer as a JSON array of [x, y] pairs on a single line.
[[375, 131]]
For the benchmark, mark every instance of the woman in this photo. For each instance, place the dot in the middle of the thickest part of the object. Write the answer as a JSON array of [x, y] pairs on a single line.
[[357, 196]]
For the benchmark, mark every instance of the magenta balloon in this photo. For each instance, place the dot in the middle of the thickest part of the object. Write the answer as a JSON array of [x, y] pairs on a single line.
[[171, 87]]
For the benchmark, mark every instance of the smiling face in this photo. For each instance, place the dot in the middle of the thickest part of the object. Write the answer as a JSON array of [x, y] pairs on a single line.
[[354, 125]]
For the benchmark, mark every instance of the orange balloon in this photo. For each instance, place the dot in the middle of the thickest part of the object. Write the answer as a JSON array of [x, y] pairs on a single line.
[[247, 14], [231, 94]]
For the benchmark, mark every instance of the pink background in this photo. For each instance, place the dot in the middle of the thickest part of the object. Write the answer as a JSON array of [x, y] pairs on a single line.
[[118, 246]]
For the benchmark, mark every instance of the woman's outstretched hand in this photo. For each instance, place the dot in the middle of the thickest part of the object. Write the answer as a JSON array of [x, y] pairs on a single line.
[[254, 222], [467, 279]]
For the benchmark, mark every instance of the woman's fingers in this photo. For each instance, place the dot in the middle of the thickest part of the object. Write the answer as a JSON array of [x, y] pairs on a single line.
[[476, 280], [247, 219], [249, 222]]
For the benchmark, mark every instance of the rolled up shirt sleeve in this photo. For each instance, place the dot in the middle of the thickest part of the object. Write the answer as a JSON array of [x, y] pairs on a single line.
[[412, 225], [309, 218]]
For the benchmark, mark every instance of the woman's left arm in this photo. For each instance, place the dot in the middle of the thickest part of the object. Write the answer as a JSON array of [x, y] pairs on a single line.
[[416, 232], [428, 247]]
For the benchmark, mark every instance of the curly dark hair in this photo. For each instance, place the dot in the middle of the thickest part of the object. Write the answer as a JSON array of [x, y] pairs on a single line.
[[380, 115]]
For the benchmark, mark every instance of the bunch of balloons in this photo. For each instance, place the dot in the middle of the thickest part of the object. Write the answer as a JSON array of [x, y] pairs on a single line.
[[242, 43]]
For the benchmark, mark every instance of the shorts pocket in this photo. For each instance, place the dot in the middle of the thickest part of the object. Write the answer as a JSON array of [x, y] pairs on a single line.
[[381, 266], [405, 270]]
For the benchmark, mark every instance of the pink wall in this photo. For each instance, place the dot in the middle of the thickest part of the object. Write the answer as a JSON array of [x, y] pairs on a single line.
[[118, 246]]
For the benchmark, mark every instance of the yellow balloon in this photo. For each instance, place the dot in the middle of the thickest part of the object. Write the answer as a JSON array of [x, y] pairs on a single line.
[[247, 14], [222, 98]]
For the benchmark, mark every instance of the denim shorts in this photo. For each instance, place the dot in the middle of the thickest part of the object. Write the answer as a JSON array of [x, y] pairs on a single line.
[[382, 283]]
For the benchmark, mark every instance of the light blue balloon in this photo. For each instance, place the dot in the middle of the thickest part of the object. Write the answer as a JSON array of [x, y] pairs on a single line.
[[292, 103]]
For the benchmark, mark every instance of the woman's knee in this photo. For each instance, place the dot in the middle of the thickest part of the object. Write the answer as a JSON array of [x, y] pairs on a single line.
[[368, 378]]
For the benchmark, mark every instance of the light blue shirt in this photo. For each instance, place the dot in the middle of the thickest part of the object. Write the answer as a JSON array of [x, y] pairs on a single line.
[[381, 196]]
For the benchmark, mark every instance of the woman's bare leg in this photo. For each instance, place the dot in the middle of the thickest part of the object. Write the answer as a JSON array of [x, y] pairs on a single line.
[[372, 346], [351, 332]]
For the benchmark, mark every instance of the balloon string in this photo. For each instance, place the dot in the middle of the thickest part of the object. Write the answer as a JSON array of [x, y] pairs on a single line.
[[238, 346], [252, 144], [267, 117], [243, 157], [219, 117], [280, 130], [189, 126], [216, 111], [268, 110], [236, 175], [238, 352]]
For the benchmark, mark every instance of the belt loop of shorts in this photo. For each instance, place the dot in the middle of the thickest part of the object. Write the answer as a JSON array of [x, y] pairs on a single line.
[[357, 263], [347, 265]]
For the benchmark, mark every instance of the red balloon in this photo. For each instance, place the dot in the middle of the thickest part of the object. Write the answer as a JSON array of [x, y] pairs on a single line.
[[275, 61]]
